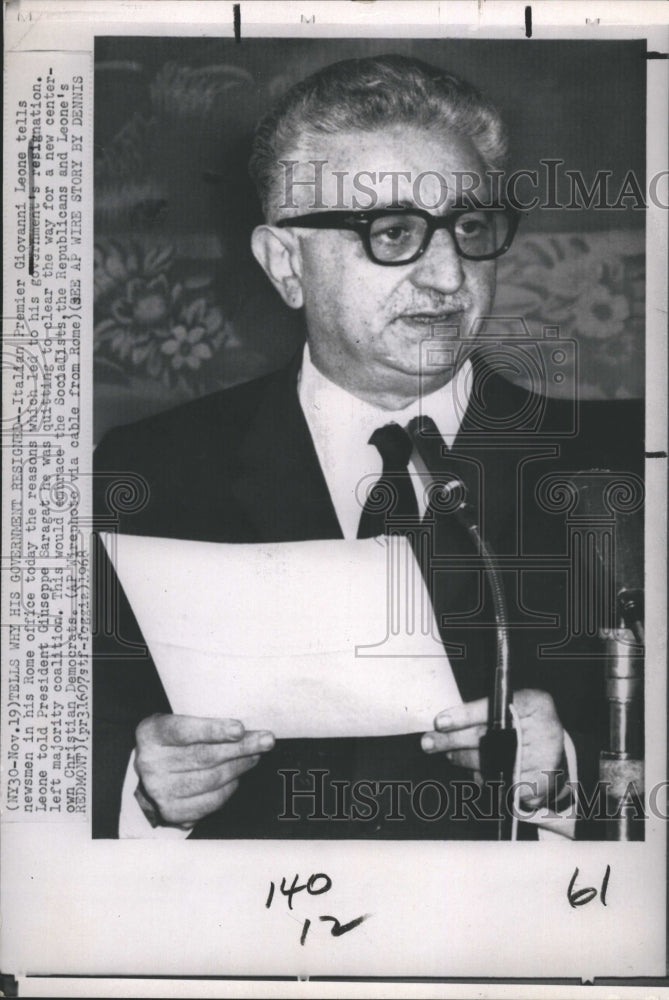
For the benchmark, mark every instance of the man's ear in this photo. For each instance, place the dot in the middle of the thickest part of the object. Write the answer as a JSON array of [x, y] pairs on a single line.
[[278, 253]]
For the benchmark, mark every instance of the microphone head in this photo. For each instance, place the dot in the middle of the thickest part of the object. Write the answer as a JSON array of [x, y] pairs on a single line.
[[448, 494]]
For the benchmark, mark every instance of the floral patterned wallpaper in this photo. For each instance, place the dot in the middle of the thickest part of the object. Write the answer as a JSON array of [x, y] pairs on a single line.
[[181, 308], [592, 287], [152, 322]]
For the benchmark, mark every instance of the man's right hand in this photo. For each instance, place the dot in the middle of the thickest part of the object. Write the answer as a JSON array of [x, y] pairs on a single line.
[[190, 766]]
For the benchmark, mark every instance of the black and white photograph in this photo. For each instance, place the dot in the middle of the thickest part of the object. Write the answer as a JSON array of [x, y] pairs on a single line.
[[334, 437], [354, 290]]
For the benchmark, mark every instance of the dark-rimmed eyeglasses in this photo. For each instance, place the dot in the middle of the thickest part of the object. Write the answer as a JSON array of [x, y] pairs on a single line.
[[394, 236]]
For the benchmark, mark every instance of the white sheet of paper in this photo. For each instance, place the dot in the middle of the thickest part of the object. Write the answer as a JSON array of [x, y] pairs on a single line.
[[306, 639]]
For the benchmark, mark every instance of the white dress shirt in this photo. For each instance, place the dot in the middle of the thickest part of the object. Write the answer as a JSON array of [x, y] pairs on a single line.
[[341, 425]]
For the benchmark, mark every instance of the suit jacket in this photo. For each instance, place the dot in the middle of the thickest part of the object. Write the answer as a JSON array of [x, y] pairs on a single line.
[[240, 466]]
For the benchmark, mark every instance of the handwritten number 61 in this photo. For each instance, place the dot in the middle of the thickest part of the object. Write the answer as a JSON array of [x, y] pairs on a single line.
[[579, 897]]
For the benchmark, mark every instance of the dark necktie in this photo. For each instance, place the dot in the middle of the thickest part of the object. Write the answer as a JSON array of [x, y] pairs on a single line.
[[391, 503]]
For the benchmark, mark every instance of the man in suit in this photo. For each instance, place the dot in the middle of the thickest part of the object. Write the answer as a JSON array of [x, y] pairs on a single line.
[[371, 233]]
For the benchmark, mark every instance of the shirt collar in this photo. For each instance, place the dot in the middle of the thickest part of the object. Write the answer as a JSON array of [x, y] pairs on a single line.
[[333, 411]]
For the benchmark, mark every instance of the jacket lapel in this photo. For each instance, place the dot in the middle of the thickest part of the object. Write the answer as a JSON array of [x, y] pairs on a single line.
[[281, 487], [479, 457]]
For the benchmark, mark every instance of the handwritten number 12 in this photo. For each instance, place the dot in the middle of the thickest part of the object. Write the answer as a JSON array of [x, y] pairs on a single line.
[[337, 928]]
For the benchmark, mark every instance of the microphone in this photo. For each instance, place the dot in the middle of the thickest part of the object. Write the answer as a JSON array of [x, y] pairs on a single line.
[[621, 761], [499, 745]]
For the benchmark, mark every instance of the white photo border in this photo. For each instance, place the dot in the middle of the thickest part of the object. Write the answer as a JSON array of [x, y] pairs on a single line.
[[90, 911]]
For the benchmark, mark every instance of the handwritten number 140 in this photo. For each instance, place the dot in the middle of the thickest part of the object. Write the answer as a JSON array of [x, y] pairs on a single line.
[[311, 886]]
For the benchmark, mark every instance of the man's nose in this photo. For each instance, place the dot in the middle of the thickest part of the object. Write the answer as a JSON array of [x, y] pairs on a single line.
[[440, 267]]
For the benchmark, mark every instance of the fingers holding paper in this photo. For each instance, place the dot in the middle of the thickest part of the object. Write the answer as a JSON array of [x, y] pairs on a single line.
[[458, 732], [190, 766]]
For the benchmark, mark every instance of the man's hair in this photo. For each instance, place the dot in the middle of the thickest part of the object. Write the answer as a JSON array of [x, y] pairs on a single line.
[[368, 95]]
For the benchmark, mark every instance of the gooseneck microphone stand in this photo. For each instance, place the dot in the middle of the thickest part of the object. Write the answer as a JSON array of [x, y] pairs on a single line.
[[499, 745]]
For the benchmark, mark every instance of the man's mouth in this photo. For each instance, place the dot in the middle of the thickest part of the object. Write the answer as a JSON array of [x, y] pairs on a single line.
[[433, 318]]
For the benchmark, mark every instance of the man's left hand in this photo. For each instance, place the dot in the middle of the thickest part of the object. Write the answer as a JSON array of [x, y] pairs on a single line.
[[458, 731]]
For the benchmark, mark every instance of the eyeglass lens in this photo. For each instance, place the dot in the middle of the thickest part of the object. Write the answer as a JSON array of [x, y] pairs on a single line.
[[399, 237]]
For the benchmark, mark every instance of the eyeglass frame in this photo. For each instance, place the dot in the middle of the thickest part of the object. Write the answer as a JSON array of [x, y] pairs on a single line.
[[360, 222]]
